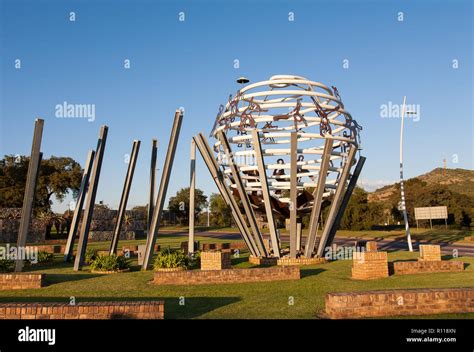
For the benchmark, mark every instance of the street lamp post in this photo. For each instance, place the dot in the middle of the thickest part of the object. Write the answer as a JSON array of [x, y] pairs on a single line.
[[402, 190]]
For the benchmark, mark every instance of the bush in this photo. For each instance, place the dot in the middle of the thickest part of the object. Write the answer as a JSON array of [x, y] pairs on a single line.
[[167, 259], [6, 265], [90, 255], [109, 263], [45, 257]]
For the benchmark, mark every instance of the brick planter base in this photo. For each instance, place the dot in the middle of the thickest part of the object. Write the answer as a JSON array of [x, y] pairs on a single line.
[[300, 261], [419, 267], [262, 261], [346, 305], [206, 277], [369, 265], [85, 310], [215, 260], [21, 281], [430, 252]]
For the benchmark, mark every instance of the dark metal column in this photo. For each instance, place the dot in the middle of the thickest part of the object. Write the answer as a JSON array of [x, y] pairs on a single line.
[[345, 200], [243, 195], [68, 251], [318, 197], [160, 200], [151, 195], [265, 192], [192, 191], [90, 200], [336, 200], [125, 193], [293, 194], [216, 173], [30, 189]]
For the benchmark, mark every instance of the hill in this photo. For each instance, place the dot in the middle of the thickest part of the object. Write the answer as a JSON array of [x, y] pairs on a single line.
[[456, 180]]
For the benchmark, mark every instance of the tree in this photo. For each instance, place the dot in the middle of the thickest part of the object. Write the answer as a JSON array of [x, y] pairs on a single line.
[[179, 204], [222, 215], [58, 176]]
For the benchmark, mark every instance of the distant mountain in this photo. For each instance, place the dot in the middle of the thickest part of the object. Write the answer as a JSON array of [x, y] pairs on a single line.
[[456, 180]]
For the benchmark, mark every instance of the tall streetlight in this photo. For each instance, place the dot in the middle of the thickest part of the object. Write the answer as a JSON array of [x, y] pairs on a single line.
[[402, 189]]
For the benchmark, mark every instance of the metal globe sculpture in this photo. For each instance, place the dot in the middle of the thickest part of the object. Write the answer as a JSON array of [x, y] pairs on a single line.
[[284, 146]]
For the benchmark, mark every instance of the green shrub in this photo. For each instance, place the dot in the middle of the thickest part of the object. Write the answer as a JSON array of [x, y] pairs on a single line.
[[167, 259], [45, 257], [6, 265], [90, 255], [109, 263], [195, 260]]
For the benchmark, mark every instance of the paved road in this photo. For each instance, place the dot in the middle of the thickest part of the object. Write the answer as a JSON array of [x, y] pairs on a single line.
[[446, 248]]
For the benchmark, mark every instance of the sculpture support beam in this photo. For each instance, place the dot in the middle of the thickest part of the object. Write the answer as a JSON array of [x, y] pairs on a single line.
[[124, 198], [243, 195], [90, 200], [160, 200], [218, 178], [69, 249], [151, 194], [266, 193], [293, 194], [337, 200], [345, 200], [192, 191], [30, 189], [318, 197]]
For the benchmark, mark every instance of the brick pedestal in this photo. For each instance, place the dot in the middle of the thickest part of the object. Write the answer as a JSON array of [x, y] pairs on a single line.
[[369, 265], [371, 246], [215, 260], [430, 252], [21, 281]]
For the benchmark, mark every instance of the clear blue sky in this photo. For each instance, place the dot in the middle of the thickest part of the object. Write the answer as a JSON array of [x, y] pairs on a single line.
[[191, 64]]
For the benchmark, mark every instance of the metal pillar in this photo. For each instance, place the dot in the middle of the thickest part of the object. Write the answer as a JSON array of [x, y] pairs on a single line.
[[160, 200], [243, 195], [298, 236], [402, 187], [192, 189], [336, 202], [265, 192], [68, 251], [151, 195], [218, 178], [345, 200], [293, 194], [90, 200], [318, 196], [124, 199], [30, 189]]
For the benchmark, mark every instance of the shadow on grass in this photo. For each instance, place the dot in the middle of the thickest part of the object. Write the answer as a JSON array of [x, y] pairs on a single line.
[[175, 307], [239, 260], [311, 272], [52, 279]]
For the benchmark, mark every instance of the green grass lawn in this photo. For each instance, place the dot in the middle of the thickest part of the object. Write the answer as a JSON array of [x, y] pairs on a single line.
[[230, 301]]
